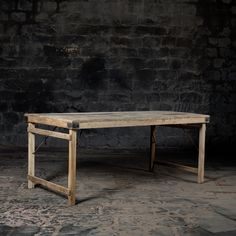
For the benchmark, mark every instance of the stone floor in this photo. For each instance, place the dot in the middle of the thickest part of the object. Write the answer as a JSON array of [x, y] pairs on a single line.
[[116, 196]]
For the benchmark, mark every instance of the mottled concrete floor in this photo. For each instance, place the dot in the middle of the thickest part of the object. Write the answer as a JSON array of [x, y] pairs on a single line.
[[116, 196]]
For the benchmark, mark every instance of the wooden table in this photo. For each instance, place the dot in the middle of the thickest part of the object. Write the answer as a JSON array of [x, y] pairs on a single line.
[[93, 120]]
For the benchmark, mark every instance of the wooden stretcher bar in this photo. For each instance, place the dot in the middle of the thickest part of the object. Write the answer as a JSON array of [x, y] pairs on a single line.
[[178, 166], [49, 133], [49, 185]]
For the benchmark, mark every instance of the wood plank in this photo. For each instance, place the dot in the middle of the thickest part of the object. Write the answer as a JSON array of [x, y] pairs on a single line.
[[49, 133], [179, 166], [87, 120], [72, 168], [31, 155], [49, 185], [132, 116], [130, 123], [122, 114], [152, 147], [201, 154], [48, 121]]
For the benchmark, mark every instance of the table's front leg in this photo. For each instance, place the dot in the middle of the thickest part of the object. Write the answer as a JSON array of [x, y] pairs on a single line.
[[72, 168], [201, 153], [31, 154]]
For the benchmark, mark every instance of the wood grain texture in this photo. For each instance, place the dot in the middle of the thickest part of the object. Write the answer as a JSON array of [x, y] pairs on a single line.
[[49, 133], [72, 168], [31, 155], [49, 185], [201, 153], [91, 120]]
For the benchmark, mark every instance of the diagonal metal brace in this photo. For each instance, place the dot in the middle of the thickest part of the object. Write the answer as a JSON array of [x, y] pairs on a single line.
[[44, 141]]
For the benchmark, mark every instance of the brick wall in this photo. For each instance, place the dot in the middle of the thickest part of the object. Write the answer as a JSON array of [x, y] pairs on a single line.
[[99, 55]]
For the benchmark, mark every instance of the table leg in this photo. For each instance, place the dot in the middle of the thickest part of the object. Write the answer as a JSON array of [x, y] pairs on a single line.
[[31, 155], [201, 153], [152, 147], [72, 168]]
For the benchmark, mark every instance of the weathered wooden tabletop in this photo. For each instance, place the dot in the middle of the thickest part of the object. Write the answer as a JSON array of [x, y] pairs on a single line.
[[89, 120]]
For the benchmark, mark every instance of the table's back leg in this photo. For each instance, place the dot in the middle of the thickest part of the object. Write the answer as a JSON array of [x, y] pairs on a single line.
[[31, 154], [201, 153], [152, 147], [72, 168]]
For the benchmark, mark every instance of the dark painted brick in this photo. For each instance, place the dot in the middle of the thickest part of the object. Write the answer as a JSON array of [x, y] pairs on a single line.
[[153, 97], [93, 74], [150, 30], [212, 75], [24, 5], [92, 29], [175, 64], [53, 51], [128, 52], [218, 62], [58, 56], [160, 85], [6, 95], [151, 42], [8, 62], [169, 41], [76, 62], [224, 42], [174, 30], [119, 80], [21, 106], [169, 97], [123, 41], [58, 62], [191, 98], [4, 39], [179, 52], [226, 53], [158, 63], [147, 52], [123, 29], [163, 52], [119, 98], [3, 106], [133, 62], [187, 76], [166, 75], [10, 118], [145, 79], [212, 52], [18, 16], [232, 76], [184, 42]]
